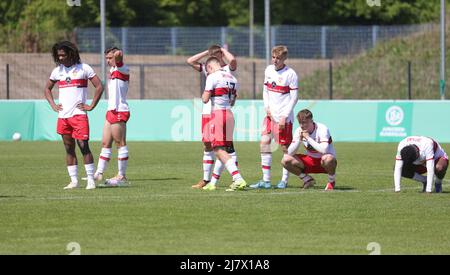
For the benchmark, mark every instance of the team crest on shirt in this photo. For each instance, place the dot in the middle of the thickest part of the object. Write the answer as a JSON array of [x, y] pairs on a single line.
[[274, 84], [280, 79], [68, 80]]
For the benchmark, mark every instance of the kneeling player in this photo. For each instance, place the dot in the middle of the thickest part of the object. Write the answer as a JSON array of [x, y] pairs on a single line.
[[418, 155], [320, 154]]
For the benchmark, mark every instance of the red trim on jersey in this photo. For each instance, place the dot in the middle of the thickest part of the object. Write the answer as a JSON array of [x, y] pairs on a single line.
[[79, 83], [104, 158], [278, 89], [220, 92], [119, 75]]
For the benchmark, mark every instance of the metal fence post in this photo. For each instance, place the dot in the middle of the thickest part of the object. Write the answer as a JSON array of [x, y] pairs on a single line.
[[173, 40], [7, 81], [124, 39], [409, 81], [323, 41], [254, 79], [142, 81], [330, 80], [223, 36], [374, 35]]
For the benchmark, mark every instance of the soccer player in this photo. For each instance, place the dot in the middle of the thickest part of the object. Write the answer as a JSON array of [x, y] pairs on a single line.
[[320, 154], [118, 113], [221, 89], [280, 96], [72, 77], [417, 155], [224, 56]]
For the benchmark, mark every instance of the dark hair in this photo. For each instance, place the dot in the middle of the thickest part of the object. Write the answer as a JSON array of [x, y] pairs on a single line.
[[213, 49], [112, 49], [70, 49], [304, 114], [409, 154]]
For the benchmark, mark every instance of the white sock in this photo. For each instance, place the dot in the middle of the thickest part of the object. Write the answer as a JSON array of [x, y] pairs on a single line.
[[123, 160], [103, 160], [285, 176], [218, 168], [234, 157], [208, 162], [331, 178], [73, 173], [266, 161], [90, 168], [419, 177], [233, 170]]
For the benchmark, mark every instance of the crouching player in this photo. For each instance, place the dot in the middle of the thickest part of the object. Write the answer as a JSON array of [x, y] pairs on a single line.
[[418, 155], [221, 89], [320, 154]]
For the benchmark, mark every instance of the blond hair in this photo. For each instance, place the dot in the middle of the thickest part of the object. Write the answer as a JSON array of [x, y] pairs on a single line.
[[304, 114], [281, 51]]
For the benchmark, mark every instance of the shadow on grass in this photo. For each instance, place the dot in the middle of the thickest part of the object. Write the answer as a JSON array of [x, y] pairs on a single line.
[[11, 197]]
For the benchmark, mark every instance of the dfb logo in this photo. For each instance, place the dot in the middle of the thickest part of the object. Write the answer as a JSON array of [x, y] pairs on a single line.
[[72, 3], [373, 3]]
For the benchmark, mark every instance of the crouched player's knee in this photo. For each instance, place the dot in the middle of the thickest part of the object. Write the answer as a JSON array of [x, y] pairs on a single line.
[[286, 160]]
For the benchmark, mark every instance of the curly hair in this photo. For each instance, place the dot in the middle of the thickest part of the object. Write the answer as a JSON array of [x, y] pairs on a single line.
[[69, 48]]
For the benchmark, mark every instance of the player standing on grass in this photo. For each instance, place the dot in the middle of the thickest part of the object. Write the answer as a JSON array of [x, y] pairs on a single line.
[[417, 155], [221, 89], [320, 154], [224, 56], [280, 97], [118, 113], [72, 77]]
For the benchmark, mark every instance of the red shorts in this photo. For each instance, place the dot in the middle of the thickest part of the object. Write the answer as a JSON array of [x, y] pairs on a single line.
[[283, 137], [206, 128], [222, 128], [76, 126], [116, 117], [312, 165], [422, 169]]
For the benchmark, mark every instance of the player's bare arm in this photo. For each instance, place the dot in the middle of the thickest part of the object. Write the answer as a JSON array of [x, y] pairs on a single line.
[[49, 96], [231, 60], [98, 94], [282, 123], [194, 61], [206, 96]]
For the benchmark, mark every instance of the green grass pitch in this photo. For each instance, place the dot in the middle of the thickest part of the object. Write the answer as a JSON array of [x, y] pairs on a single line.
[[160, 213]]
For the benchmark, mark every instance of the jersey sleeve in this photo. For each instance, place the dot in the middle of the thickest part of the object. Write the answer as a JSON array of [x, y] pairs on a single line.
[[293, 81], [54, 75], [429, 150], [210, 83], [324, 134], [89, 72]]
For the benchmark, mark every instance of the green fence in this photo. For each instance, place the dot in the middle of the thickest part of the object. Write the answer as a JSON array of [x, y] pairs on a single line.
[[180, 120]]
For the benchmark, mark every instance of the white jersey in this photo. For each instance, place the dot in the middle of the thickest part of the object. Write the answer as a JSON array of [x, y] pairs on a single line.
[[428, 149], [320, 134], [278, 96], [72, 82], [118, 88], [223, 86], [207, 108]]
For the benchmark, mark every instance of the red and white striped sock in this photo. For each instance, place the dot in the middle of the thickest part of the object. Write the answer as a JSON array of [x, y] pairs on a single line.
[[266, 162], [233, 170], [123, 160], [103, 160], [208, 162], [218, 169]]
